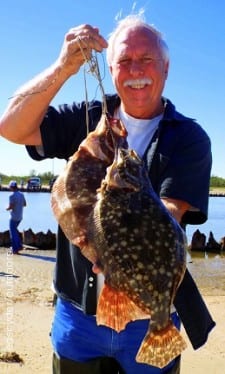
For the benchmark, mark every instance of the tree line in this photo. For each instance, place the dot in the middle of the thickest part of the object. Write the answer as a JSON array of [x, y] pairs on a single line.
[[48, 176], [45, 178], [217, 181]]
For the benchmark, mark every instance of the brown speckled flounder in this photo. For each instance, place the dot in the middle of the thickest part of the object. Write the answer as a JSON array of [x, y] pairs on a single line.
[[141, 252], [74, 192]]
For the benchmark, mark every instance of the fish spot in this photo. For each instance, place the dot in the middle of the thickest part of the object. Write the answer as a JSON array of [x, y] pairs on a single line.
[[162, 270], [123, 230]]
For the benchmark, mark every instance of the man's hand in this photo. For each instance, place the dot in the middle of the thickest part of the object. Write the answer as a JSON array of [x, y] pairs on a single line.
[[77, 47], [96, 269], [176, 207]]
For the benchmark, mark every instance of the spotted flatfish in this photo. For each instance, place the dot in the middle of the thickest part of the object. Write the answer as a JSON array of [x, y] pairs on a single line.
[[141, 251]]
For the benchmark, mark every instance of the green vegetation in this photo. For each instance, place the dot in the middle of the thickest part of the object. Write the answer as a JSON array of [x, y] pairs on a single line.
[[45, 178], [216, 183]]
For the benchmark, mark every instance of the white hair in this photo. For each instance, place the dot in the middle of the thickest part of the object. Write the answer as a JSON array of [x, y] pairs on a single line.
[[131, 21]]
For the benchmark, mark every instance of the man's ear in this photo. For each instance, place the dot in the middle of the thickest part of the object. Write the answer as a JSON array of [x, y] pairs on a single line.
[[167, 69]]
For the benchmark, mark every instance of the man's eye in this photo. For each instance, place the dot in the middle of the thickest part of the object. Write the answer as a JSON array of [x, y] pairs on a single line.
[[125, 61], [147, 60]]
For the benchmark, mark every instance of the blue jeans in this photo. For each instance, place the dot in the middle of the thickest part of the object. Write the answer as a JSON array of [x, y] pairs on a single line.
[[15, 235], [75, 336]]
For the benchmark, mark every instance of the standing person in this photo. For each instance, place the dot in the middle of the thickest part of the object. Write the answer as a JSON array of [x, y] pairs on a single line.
[[177, 153], [16, 204]]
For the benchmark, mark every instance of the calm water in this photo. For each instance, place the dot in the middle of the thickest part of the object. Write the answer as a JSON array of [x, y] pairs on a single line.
[[38, 215], [215, 222]]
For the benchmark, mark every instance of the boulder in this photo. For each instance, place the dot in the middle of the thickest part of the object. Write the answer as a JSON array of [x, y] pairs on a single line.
[[29, 238], [4, 239], [222, 244], [198, 241], [39, 240], [212, 245]]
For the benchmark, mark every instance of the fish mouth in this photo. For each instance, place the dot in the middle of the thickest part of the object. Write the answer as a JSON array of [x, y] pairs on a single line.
[[125, 172], [117, 127], [108, 135]]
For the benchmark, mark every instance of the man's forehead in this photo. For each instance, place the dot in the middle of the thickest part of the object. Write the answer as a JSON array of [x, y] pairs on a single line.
[[142, 38], [129, 37]]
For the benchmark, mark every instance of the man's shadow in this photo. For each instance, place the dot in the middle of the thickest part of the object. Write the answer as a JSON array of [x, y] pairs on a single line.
[[38, 257]]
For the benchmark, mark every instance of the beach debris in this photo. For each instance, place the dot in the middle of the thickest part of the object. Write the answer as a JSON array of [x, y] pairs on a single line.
[[11, 357], [141, 251]]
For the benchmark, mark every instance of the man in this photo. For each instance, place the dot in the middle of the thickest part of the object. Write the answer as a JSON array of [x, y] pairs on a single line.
[[176, 151], [16, 204]]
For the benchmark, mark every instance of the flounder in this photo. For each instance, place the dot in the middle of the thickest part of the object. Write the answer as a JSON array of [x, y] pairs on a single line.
[[74, 191], [141, 251]]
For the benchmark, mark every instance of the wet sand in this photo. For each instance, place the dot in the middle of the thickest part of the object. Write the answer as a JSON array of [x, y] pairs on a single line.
[[26, 312]]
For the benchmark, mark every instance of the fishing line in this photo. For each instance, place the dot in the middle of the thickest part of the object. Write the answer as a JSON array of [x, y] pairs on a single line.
[[94, 69]]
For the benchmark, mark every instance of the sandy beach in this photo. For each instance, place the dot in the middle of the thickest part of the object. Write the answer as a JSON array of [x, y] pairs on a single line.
[[26, 312]]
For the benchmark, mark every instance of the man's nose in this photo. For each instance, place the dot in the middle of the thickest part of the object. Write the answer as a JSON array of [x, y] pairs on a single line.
[[136, 67]]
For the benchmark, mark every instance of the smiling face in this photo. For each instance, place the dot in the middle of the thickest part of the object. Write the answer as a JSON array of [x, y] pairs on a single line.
[[139, 70]]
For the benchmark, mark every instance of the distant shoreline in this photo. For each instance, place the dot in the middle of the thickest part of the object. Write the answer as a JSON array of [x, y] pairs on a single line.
[[24, 189], [215, 192]]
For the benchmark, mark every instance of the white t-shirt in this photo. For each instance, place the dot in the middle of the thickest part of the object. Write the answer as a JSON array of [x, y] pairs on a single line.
[[140, 131]]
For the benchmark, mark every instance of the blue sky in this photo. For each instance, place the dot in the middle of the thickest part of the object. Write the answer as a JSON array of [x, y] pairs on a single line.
[[31, 36]]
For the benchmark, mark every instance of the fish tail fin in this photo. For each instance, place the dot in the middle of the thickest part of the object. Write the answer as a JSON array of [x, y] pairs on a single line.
[[115, 309], [159, 348]]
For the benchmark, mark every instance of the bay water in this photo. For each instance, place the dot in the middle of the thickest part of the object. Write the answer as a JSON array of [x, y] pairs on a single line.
[[38, 215]]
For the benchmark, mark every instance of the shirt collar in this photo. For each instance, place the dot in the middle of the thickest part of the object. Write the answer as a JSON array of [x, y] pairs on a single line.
[[170, 113]]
